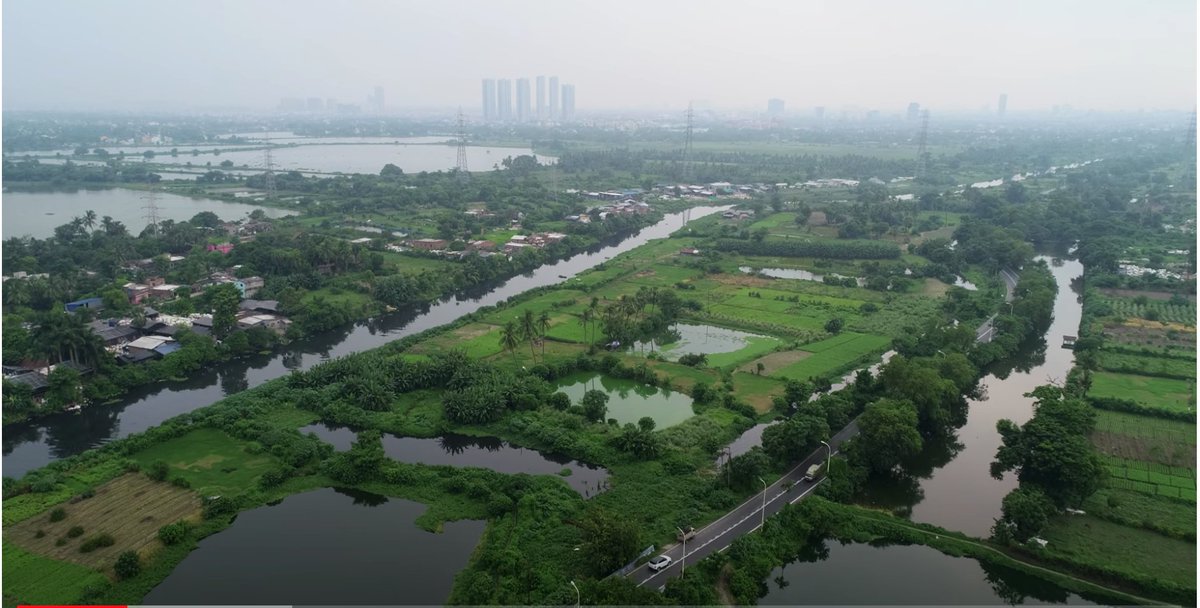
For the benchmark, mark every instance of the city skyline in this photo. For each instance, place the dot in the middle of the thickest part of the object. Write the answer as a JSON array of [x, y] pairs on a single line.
[[1105, 55]]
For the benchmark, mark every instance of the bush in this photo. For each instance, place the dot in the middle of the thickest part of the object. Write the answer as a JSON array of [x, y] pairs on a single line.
[[158, 471], [60, 542], [58, 514], [171, 534], [97, 542], [75, 532], [128, 565], [39, 534], [180, 482]]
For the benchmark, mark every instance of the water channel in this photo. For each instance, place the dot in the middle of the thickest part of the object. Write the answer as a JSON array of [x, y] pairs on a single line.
[[333, 547], [834, 574], [37, 214], [31, 445], [492, 453]]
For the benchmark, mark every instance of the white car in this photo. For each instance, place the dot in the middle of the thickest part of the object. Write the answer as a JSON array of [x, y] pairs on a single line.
[[659, 563]]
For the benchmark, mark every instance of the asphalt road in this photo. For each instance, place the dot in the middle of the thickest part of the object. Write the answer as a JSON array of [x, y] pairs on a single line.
[[748, 516]]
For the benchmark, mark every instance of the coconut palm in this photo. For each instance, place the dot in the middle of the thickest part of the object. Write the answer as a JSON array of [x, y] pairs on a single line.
[[510, 338], [543, 321], [89, 219], [529, 331], [584, 319]]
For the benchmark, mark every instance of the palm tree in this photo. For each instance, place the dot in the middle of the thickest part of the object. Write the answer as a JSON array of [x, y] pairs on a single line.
[[529, 331], [593, 308], [544, 325], [89, 219], [510, 338], [584, 318]]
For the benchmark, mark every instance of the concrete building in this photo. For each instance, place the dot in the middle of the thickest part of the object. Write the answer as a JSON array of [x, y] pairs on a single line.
[[553, 97], [524, 109], [914, 112], [541, 98], [775, 107], [489, 99], [504, 99], [1002, 105], [568, 102]]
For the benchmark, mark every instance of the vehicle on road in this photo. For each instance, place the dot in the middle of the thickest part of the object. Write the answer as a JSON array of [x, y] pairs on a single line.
[[812, 472], [660, 562], [688, 534]]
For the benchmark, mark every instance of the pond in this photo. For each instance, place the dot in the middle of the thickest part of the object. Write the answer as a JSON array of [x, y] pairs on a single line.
[[37, 214], [860, 574], [629, 401], [328, 546], [483, 452], [704, 339], [796, 274]]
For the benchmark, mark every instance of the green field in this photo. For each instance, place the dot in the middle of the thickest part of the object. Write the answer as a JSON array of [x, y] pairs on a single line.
[[1151, 478], [1094, 542], [833, 355], [1133, 425], [1163, 311], [1163, 393], [1173, 367], [1143, 510], [213, 462], [32, 579]]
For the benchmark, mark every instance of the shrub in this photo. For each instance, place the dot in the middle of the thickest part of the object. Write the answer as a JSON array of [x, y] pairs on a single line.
[[97, 542], [75, 531], [39, 534], [58, 514], [158, 471], [128, 565], [180, 482], [60, 542]]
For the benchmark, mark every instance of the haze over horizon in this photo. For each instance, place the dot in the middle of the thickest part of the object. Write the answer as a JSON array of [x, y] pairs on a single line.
[[944, 54]]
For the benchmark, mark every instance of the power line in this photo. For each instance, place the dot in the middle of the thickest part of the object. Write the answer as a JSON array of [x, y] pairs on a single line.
[[151, 208], [269, 162], [1189, 142], [461, 164], [922, 153], [686, 157]]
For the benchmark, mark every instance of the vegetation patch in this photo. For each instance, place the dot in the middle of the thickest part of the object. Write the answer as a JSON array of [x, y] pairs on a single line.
[[129, 509], [834, 355], [34, 579], [1151, 478], [1162, 393], [211, 461], [1109, 547], [775, 361]]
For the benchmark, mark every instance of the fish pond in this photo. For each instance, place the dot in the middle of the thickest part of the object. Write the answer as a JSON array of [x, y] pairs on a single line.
[[722, 346], [629, 401]]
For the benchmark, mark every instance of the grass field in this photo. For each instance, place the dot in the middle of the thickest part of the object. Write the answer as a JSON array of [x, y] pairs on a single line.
[[1151, 478], [1173, 431], [1146, 365], [755, 346], [757, 390], [1164, 393], [1145, 438], [213, 462], [1142, 510], [1092, 541], [33, 579], [833, 355], [131, 508], [1172, 313]]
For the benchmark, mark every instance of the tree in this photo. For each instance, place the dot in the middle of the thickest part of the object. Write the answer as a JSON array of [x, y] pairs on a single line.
[[887, 434], [128, 565], [225, 299], [745, 470], [529, 331], [609, 541], [510, 338], [834, 325], [792, 439], [595, 405], [544, 325], [646, 423], [1025, 512], [64, 387]]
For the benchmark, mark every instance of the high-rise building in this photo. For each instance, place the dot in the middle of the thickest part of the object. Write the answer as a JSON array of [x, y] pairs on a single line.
[[489, 99], [315, 104], [541, 97], [568, 102], [504, 99], [774, 107], [377, 99], [914, 111], [523, 107], [553, 97], [1002, 105], [819, 112], [331, 104]]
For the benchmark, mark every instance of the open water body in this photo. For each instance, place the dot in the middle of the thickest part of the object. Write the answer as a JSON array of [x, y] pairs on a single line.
[[492, 453], [37, 214], [700, 339], [333, 547], [630, 401], [362, 158], [31, 445], [866, 575]]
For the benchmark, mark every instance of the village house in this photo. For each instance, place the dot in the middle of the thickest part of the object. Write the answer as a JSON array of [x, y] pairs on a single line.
[[222, 247], [428, 244]]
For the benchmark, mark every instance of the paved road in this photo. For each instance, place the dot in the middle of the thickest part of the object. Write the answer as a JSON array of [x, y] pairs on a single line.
[[748, 516]]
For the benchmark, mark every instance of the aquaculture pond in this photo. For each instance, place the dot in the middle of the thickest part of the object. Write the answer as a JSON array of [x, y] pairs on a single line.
[[687, 339], [796, 273], [483, 452], [334, 547], [865, 575], [629, 401]]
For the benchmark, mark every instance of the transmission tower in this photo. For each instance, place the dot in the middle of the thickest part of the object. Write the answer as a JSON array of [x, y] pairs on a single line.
[[686, 157], [461, 165], [922, 154], [269, 163], [151, 209], [1189, 142]]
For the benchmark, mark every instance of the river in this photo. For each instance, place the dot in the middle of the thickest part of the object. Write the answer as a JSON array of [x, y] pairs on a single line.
[[37, 214], [31, 445]]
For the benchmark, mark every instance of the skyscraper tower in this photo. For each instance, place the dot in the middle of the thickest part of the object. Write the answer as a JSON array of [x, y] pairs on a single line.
[[504, 99], [377, 99], [489, 99], [523, 106], [568, 102], [553, 97], [1002, 105], [914, 111], [541, 98]]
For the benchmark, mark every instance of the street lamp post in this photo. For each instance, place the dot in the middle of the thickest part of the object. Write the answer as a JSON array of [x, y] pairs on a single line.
[[828, 456], [683, 561], [576, 593], [763, 522]]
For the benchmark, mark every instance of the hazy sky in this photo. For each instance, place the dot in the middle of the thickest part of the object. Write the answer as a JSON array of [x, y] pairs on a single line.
[[945, 54]]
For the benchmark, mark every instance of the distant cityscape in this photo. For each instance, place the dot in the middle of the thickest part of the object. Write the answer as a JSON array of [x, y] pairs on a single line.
[[498, 101]]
